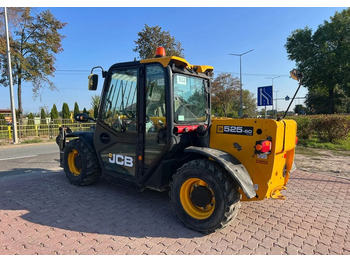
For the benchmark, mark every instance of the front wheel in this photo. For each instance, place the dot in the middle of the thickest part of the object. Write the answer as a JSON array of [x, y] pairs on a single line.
[[80, 163], [204, 196]]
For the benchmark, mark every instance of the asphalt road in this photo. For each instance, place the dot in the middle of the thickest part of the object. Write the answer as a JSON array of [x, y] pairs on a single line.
[[34, 159]]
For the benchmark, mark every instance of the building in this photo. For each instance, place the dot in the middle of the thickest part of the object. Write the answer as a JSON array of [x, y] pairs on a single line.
[[7, 114]]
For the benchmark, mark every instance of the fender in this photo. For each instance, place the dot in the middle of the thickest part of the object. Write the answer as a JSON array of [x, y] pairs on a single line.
[[235, 168], [86, 137]]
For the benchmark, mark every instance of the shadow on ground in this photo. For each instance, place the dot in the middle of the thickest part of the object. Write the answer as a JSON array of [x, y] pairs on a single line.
[[103, 208]]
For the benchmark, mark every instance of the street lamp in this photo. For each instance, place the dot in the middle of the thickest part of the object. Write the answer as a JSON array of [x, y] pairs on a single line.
[[240, 79], [9, 70]]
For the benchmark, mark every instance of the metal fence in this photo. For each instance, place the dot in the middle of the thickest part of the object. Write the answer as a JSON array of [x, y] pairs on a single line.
[[30, 132]]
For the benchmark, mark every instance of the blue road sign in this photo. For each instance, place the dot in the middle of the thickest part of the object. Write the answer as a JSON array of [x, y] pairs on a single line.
[[265, 97]]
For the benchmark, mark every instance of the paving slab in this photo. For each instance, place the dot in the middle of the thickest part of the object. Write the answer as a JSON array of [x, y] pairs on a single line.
[[42, 213]]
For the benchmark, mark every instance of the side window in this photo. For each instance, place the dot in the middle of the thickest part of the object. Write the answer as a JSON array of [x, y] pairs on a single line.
[[155, 98], [120, 101]]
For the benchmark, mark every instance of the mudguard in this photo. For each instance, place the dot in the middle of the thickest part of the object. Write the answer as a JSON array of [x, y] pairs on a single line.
[[86, 137], [235, 168]]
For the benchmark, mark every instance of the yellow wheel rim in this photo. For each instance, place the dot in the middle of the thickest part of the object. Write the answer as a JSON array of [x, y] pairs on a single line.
[[191, 209], [71, 162]]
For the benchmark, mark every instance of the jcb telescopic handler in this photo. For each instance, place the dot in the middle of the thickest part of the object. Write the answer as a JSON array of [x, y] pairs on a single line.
[[154, 130]]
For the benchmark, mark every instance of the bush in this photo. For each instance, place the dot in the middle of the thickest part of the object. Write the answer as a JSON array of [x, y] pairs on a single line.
[[304, 130], [330, 128], [326, 128]]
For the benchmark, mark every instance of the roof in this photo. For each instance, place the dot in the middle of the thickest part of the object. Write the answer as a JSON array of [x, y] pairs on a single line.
[[165, 61], [5, 111]]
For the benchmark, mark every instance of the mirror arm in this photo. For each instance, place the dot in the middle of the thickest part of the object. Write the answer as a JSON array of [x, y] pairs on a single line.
[[82, 117], [104, 73]]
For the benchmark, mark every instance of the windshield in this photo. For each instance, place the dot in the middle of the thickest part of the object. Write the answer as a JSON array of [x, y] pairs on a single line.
[[190, 101]]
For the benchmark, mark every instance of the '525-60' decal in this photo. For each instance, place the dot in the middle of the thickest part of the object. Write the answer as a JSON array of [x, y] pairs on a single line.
[[235, 130]]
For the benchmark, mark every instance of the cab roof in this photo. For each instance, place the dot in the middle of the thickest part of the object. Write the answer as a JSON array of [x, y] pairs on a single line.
[[166, 60]]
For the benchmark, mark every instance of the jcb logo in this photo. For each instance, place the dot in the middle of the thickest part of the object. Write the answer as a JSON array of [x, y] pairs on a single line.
[[121, 160]]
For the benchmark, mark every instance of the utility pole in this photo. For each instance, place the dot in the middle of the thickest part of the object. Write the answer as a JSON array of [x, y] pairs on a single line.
[[276, 100], [9, 71], [272, 78], [240, 112]]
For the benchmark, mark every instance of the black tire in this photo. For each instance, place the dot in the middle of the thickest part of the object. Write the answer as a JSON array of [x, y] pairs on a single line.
[[204, 196], [80, 163]]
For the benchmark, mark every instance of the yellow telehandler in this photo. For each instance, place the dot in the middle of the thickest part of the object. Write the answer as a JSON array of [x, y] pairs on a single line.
[[154, 130]]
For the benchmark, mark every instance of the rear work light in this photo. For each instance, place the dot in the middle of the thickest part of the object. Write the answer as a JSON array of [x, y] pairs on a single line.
[[263, 146]]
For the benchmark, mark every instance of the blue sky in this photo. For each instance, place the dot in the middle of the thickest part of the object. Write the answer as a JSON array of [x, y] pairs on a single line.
[[105, 35]]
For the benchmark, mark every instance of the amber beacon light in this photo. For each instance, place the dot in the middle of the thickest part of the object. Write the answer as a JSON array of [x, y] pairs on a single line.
[[160, 52]]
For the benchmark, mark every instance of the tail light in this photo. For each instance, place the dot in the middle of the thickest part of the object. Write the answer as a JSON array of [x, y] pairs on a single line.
[[296, 140], [263, 146]]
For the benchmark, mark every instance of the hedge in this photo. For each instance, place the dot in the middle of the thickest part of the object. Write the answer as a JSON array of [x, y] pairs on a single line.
[[327, 128]]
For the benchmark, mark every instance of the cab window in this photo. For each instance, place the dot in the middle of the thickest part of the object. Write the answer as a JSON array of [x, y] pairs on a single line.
[[120, 102], [190, 101]]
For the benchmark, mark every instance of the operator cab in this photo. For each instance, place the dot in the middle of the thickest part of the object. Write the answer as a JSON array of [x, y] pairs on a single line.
[[150, 111]]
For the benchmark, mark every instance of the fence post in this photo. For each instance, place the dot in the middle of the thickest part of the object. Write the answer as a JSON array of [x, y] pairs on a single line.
[[50, 129], [9, 129], [36, 130]]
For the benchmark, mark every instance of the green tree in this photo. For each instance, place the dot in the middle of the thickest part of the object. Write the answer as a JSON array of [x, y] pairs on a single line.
[[95, 112], [95, 102], [323, 57], [76, 108], [300, 110], [14, 20], [249, 104], [65, 112], [30, 120], [152, 37], [34, 43], [317, 98], [226, 97], [85, 111], [54, 114], [225, 89], [43, 116]]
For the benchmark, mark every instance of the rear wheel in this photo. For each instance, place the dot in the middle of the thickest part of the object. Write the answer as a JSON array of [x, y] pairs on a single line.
[[204, 196], [80, 163]]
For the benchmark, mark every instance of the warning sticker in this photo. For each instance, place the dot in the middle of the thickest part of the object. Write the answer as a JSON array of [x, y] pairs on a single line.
[[261, 158], [181, 80]]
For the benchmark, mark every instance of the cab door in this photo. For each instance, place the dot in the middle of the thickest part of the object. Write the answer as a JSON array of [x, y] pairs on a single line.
[[117, 129]]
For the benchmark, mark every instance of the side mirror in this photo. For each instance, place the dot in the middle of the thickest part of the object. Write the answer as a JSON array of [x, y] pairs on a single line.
[[82, 117], [93, 80]]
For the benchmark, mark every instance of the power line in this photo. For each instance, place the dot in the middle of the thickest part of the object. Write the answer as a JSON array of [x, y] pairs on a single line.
[[72, 70], [235, 73], [254, 74]]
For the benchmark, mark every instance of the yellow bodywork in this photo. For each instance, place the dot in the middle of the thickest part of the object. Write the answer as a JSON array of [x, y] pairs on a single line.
[[179, 62], [269, 172]]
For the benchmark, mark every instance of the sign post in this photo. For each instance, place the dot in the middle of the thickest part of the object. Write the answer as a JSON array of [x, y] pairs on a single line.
[[265, 96]]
